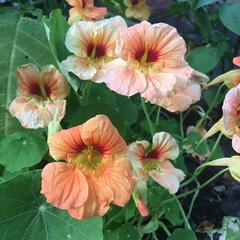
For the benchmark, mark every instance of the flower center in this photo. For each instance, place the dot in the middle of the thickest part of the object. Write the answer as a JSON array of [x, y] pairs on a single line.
[[150, 164], [135, 2], [40, 90], [89, 158], [96, 51]]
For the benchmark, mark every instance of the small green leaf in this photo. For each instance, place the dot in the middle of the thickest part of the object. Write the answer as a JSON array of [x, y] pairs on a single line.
[[204, 58], [184, 234], [193, 139], [25, 215], [229, 15], [22, 149]]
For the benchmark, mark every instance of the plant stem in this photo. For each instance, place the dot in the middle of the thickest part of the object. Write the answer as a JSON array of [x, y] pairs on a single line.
[[187, 224], [195, 189], [211, 106], [147, 116], [164, 227], [181, 125], [158, 115]]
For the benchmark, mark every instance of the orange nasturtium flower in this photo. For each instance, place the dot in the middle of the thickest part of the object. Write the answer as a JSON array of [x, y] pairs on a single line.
[[93, 45], [137, 9], [96, 171], [85, 10], [155, 163], [42, 95], [152, 62]]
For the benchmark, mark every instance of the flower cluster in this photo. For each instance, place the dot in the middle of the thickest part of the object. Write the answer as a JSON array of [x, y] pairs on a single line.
[[95, 168]]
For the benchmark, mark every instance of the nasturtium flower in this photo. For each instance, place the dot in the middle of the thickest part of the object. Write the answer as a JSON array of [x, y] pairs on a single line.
[[233, 164], [93, 44], [95, 171], [231, 78], [156, 162], [41, 95], [152, 64], [231, 116], [137, 9], [85, 10]]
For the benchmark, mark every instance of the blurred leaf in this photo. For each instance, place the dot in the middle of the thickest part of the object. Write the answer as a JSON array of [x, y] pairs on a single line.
[[202, 3], [22, 149], [204, 58], [88, 111], [193, 139], [22, 40], [25, 215], [128, 231], [182, 234], [218, 153], [229, 15], [172, 213], [170, 125], [180, 163], [56, 28]]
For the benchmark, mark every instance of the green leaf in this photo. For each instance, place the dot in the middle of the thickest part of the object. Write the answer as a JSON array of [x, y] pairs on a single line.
[[182, 234], [25, 215], [56, 28], [22, 40], [202, 3], [229, 15], [193, 140], [128, 231], [204, 58], [22, 149], [88, 111]]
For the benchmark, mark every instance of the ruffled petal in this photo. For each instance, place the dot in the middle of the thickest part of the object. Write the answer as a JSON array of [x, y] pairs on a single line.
[[168, 176], [31, 114], [96, 13], [80, 67], [236, 61], [66, 144], [118, 175], [100, 196], [165, 147], [236, 142], [100, 132], [64, 186]]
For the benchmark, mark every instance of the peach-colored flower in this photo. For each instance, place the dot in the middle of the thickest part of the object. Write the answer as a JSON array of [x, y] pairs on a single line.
[[231, 116], [93, 44], [96, 172], [85, 10], [153, 61], [137, 9], [156, 162], [231, 78], [41, 95]]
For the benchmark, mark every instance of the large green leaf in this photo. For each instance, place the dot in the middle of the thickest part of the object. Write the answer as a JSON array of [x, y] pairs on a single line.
[[229, 15], [22, 40], [182, 234], [204, 58], [202, 3], [25, 215], [22, 149]]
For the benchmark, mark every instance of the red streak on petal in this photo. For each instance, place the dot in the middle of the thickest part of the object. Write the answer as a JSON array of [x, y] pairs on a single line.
[[152, 56], [135, 2], [97, 51], [139, 54], [154, 154], [34, 89]]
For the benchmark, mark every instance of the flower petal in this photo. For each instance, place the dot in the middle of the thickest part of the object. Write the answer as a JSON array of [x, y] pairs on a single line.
[[31, 114], [236, 143], [63, 186], [66, 144], [165, 147], [100, 196], [80, 67], [236, 61], [100, 132], [168, 176], [118, 175]]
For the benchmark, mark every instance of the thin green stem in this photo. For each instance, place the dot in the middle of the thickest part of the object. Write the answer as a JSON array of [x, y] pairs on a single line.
[[187, 224], [147, 116], [211, 106], [198, 172], [164, 227], [181, 125], [195, 189], [158, 115], [193, 199]]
